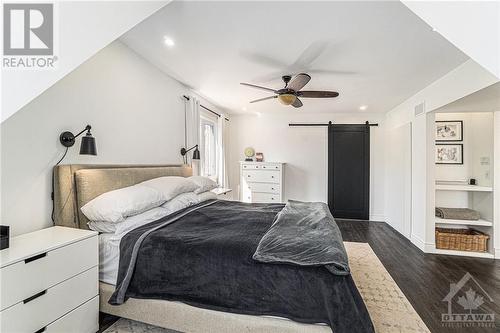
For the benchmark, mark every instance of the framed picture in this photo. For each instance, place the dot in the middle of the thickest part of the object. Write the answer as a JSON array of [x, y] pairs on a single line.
[[450, 130], [449, 153]]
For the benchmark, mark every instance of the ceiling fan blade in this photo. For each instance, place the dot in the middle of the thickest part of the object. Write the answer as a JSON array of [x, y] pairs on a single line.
[[317, 94], [299, 81], [297, 103], [263, 99], [310, 54], [258, 87]]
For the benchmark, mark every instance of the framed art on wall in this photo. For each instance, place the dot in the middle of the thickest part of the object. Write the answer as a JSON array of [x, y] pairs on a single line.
[[449, 153], [450, 130]]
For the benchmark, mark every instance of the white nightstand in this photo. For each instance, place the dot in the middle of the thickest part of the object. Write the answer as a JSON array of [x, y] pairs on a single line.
[[223, 193], [49, 282]]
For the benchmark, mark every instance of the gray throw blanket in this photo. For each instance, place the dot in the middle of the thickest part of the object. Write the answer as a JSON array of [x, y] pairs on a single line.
[[304, 234], [457, 213]]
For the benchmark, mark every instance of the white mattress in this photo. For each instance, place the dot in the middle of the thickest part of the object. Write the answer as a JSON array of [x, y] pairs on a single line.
[[109, 256]]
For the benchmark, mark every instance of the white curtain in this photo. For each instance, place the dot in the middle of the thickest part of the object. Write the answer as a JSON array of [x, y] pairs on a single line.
[[222, 135], [192, 130]]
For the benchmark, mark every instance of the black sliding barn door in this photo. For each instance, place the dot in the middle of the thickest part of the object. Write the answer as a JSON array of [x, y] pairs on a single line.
[[349, 171]]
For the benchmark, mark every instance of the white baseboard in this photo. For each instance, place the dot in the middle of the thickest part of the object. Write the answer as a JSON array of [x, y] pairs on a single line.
[[377, 218], [419, 242]]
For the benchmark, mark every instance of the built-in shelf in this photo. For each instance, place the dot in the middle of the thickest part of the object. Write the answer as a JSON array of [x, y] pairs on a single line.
[[480, 222], [456, 187], [464, 253]]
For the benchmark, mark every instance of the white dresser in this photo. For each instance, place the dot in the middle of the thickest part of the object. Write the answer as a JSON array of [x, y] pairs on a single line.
[[49, 282], [261, 181]]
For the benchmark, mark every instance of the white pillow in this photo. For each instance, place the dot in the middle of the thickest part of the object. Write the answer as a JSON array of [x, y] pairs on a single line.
[[205, 184], [181, 201], [138, 220], [206, 196], [171, 186], [115, 206], [101, 226]]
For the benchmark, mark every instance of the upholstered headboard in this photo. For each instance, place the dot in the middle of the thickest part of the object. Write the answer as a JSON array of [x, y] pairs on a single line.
[[77, 184]]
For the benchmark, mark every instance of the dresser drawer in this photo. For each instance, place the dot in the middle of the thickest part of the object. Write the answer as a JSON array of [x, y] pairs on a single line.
[[261, 166], [40, 272], [34, 314], [265, 197], [264, 187], [83, 319], [261, 176]]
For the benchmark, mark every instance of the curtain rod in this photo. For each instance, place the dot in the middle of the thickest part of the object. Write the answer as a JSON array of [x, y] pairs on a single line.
[[203, 106], [330, 123]]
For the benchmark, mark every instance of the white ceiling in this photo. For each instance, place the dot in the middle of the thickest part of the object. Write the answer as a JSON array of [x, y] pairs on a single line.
[[376, 53]]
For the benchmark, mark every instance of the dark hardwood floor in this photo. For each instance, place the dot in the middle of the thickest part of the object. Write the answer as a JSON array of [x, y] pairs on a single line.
[[424, 278]]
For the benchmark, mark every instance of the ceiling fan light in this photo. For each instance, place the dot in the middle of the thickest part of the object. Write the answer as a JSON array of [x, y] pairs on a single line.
[[287, 99]]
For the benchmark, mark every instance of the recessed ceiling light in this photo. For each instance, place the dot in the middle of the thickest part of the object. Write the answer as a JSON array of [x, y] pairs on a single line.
[[244, 108], [363, 107], [168, 41], [258, 114]]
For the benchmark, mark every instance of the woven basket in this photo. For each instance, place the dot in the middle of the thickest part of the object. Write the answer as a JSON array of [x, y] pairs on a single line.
[[461, 240]]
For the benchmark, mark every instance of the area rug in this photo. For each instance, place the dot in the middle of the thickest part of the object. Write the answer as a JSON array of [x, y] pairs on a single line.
[[390, 310]]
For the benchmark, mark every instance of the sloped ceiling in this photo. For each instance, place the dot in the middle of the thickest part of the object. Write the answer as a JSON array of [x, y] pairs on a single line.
[[85, 27]]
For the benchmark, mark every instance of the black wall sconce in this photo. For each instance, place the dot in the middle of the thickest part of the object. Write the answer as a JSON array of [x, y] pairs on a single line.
[[87, 147], [196, 153]]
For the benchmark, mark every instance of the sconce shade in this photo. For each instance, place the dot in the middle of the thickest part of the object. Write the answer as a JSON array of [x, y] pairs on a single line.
[[87, 146], [196, 154]]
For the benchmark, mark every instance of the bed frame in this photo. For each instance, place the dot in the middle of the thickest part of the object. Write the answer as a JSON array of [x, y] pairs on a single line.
[[77, 184]]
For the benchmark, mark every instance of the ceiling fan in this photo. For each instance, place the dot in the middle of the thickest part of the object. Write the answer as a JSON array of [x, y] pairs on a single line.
[[289, 95]]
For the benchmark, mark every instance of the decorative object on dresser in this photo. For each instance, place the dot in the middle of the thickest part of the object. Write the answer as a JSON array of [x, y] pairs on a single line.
[[261, 181], [449, 130], [259, 157], [4, 236], [249, 152], [50, 282]]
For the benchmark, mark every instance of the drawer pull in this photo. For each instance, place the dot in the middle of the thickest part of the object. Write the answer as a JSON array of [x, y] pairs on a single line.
[[272, 176], [248, 176], [272, 188], [38, 256], [43, 329], [29, 299]]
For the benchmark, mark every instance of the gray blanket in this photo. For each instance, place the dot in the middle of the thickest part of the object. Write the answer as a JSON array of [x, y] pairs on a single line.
[[457, 213], [305, 234]]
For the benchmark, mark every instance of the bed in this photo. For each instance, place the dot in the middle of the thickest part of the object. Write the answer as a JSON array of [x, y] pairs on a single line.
[[76, 185]]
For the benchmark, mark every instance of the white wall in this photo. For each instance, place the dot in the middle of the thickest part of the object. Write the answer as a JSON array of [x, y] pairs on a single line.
[[462, 81], [84, 28], [304, 150], [472, 26], [136, 113]]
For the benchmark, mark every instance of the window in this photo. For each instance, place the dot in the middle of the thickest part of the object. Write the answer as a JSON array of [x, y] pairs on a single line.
[[208, 145]]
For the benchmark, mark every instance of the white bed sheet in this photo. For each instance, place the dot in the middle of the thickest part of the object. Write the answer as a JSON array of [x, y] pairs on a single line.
[[109, 256]]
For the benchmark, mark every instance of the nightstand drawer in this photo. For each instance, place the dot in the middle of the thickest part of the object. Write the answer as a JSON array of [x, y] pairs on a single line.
[[40, 272], [44, 308], [261, 176], [82, 319]]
